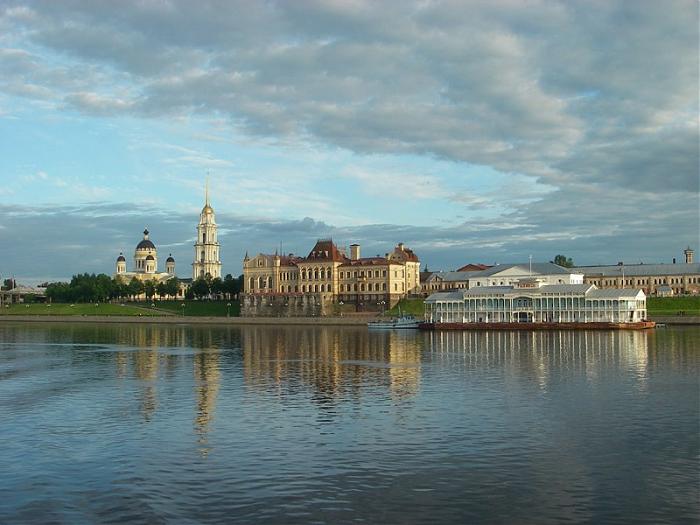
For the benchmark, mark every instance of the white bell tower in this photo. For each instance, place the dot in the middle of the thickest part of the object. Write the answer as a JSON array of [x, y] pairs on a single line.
[[206, 249]]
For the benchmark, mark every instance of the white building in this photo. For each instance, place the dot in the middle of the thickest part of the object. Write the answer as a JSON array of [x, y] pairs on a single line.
[[145, 263], [206, 249], [532, 301], [510, 274]]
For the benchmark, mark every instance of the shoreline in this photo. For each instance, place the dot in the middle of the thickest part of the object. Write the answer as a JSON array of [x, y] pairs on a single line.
[[355, 320], [173, 319]]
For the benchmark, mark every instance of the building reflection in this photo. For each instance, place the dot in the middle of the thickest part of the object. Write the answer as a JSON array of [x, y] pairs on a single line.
[[331, 363], [535, 354], [154, 352]]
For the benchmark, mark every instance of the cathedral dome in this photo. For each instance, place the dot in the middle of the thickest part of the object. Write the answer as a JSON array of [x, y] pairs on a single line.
[[146, 243], [170, 259], [121, 258]]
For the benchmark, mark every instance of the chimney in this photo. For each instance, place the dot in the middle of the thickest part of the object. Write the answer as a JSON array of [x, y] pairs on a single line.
[[354, 252], [401, 246]]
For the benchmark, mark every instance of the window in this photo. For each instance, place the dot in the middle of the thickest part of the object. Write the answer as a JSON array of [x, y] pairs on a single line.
[[204, 237]]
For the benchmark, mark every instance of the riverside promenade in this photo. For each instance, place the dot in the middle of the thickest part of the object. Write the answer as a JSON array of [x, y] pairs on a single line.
[[354, 320]]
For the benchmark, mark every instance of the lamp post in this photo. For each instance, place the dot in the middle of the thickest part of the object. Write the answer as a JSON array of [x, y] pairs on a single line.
[[183, 309], [228, 309]]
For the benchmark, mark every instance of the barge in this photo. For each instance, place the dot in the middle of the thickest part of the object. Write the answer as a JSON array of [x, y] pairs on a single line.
[[639, 325]]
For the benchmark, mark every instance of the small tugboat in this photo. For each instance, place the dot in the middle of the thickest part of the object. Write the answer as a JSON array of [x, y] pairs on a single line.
[[401, 322]]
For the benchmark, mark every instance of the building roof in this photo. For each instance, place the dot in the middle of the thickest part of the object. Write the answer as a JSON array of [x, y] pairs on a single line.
[[121, 258], [452, 276], [639, 270], [473, 267], [170, 258], [146, 244], [445, 296], [325, 250], [614, 293], [589, 290], [537, 269], [370, 261]]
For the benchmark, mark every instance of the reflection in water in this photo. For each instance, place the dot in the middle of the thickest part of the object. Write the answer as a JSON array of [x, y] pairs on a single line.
[[535, 354], [304, 424], [207, 377], [334, 364]]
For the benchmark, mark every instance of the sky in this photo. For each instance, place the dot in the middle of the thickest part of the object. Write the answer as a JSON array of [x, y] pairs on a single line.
[[472, 131]]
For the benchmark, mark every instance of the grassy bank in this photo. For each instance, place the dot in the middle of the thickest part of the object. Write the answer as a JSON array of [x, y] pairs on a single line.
[[200, 308], [74, 309], [408, 307], [673, 305], [192, 308]]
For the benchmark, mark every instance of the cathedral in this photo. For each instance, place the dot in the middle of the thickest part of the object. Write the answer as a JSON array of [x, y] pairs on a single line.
[[206, 254], [145, 263]]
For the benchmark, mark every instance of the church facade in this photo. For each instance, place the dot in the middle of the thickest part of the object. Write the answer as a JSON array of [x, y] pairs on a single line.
[[145, 266]]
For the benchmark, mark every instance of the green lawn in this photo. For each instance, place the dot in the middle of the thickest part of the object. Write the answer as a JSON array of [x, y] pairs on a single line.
[[408, 307], [77, 309], [199, 308], [673, 305]]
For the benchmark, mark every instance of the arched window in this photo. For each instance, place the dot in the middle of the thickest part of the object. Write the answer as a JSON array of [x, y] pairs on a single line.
[[316, 274], [362, 287], [303, 275], [204, 237], [201, 256], [315, 288], [322, 288], [384, 287], [251, 284]]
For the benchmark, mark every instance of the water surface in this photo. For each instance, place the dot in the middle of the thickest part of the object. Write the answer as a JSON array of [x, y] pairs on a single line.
[[189, 424]]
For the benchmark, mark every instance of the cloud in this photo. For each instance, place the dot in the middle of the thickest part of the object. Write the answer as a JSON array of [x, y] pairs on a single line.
[[64, 240], [596, 102], [544, 89]]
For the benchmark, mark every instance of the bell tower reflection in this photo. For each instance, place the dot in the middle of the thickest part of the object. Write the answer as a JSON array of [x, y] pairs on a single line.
[[207, 377]]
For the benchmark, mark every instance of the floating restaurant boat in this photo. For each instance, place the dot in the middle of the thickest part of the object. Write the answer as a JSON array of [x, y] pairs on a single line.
[[532, 305], [401, 322]]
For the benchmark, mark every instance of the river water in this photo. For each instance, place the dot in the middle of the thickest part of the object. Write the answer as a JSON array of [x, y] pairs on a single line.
[[188, 424]]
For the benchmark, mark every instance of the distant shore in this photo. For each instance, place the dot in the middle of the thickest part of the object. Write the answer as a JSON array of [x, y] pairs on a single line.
[[353, 320], [172, 319]]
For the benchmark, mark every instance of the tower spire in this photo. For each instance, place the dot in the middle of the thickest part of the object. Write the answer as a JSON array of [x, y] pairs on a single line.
[[206, 190]]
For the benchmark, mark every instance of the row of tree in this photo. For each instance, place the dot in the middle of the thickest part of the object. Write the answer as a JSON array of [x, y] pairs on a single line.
[[84, 288], [227, 288]]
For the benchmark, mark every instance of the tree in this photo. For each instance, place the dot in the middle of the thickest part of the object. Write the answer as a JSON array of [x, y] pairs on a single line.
[[135, 287], [9, 284], [149, 287], [563, 260], [216, 286], [172, 286], [200, 288], [161, 289]]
